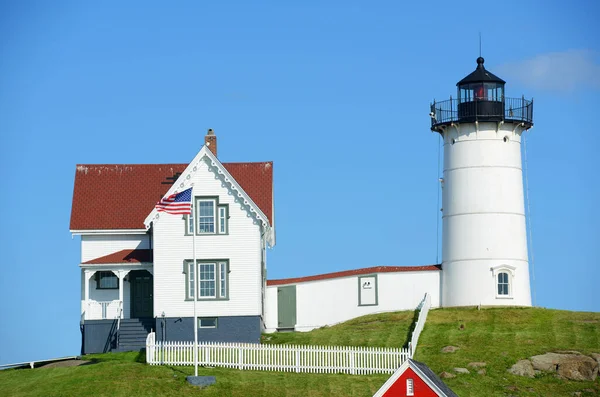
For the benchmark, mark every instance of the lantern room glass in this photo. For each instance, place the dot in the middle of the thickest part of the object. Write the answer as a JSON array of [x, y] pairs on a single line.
[[481, 92]]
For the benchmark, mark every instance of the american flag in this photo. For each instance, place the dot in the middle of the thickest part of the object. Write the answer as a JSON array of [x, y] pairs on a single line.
[[177, 203]]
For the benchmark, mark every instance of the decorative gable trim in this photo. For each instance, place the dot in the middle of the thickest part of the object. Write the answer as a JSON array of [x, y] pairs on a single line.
[[215, 166]]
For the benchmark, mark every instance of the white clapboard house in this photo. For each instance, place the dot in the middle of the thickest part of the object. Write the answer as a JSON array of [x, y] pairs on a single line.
[[136, 263]]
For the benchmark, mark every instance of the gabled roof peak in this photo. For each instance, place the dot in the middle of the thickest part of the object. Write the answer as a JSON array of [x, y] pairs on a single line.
[[120, 196]]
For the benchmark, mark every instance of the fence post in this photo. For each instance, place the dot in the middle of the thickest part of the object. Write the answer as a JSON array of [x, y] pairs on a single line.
[[240, 357], [352, 362], [297, 358]]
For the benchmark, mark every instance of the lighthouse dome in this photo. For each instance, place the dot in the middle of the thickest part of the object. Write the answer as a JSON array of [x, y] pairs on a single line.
[[481, 75]]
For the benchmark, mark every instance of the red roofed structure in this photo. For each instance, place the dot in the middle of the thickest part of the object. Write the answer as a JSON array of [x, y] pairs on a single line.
[[414, 379], [120, 196]]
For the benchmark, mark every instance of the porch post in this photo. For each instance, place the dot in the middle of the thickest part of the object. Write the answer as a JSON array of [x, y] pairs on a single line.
[[87, 276], [121, 274]]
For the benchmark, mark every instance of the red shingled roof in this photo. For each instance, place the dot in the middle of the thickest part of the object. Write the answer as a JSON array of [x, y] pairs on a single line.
[[348, 273], [124, 256], [120, 196]]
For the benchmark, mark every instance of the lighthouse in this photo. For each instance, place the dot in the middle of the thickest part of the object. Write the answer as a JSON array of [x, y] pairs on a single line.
[[484, 241]]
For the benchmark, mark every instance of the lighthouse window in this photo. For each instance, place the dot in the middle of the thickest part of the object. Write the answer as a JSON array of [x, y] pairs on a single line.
[[503, 284]]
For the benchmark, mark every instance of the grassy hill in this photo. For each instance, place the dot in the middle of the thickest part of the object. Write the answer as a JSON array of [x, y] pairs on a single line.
[[499, 337]]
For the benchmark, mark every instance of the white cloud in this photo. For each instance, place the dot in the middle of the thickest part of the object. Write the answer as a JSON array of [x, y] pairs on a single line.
[[555, 71]]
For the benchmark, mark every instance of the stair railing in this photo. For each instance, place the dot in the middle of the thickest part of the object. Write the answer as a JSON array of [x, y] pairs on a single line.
[[119, 315]]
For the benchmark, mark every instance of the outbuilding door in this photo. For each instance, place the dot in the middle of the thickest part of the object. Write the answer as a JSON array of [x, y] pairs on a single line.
[[141, 294], [286, 307]]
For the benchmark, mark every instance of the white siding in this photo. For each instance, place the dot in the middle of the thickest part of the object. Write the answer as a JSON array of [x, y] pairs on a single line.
[[95, 246], [241, 247], [331, 301]]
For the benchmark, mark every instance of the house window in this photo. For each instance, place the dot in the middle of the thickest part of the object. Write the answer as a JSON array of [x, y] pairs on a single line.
[[222, 219], [212, 279], [190, 223], [106, 280], [207, 322], [222, 279], [206, 280], [191, 280], [206, 216], [503, 284], [410, 387]]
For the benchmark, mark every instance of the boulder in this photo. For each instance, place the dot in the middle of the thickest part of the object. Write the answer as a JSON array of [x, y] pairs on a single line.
[[449, 349], [571, 366], [596, 356], [522, 368], [447, 375], [461, 371]]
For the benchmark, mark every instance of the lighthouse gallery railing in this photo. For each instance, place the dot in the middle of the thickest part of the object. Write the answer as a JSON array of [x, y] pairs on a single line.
[[511, 109]]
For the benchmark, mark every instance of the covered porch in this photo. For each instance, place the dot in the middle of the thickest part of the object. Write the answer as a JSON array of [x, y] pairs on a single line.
[[117, 290]]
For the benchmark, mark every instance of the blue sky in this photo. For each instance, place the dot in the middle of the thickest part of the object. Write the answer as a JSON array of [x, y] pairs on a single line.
[[335, 93]]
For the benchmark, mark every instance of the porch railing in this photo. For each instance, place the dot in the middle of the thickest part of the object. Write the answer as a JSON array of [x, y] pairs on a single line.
[[103, 310]]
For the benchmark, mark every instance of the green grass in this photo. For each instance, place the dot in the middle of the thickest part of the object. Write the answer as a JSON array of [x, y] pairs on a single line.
[[125, 374], [380, 330], [499, 337]]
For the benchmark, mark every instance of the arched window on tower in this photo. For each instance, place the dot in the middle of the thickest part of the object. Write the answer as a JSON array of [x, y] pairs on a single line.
[[503, 276], [503, 284]]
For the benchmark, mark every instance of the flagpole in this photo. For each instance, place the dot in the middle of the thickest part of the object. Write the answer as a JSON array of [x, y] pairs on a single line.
[[195, 287]]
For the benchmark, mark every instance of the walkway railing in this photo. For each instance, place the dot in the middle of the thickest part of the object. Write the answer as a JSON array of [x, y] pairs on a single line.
[[423, 308], [287, 358]]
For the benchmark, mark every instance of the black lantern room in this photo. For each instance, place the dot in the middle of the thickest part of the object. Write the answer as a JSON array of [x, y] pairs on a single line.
[[481, 98]]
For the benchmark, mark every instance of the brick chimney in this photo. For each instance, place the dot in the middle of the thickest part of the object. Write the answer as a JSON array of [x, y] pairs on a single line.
[[211, 141]]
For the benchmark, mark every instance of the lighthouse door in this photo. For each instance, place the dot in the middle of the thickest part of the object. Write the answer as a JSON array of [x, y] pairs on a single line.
[[286, 307]]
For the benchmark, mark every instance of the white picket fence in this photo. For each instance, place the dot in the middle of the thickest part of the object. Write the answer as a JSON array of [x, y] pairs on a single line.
[[287, 358], [425, 305]]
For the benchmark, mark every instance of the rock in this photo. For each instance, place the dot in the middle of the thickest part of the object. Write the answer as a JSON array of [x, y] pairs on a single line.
[[201, 381], [567, 365], [477, 364], [596, 356], [522, 368], [450, 349], [447, 375], [461, 371], [482, 371], [577, 393]]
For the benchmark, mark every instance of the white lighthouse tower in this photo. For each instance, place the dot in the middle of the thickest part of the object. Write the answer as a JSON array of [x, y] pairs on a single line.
[[484, 242]]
